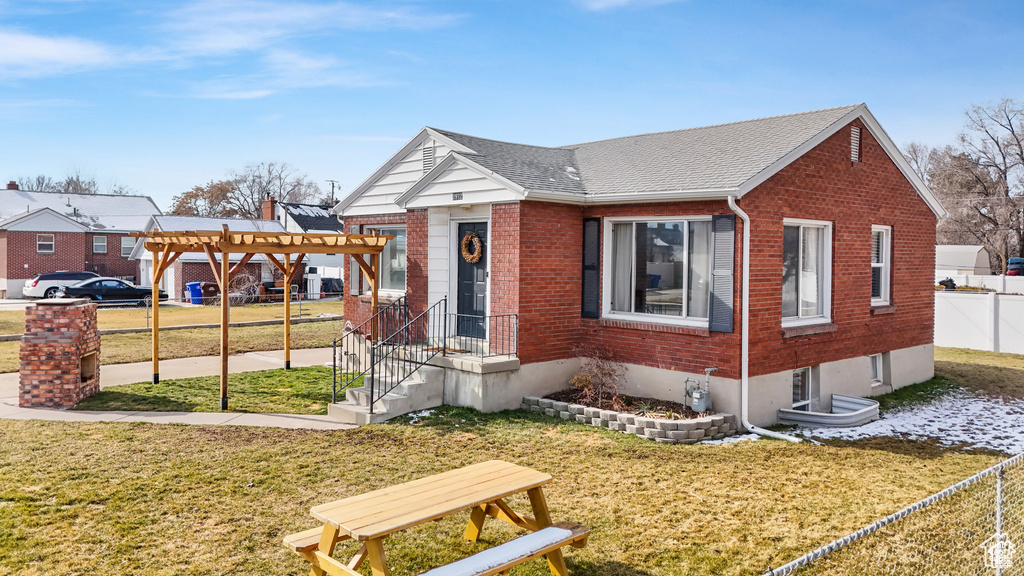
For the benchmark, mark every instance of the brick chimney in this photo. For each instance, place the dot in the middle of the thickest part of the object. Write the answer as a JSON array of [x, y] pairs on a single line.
[[12, 185], [269, 208]]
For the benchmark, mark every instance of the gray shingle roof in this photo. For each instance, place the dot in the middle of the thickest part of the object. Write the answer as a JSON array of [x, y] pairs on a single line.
[[722, 156], [98, 211], [312, 217]]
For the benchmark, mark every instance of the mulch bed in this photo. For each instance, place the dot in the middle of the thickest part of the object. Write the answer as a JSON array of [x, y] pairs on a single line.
[[641, 405]]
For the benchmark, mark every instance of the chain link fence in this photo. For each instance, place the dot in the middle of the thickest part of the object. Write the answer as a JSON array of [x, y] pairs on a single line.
[[973, 527]]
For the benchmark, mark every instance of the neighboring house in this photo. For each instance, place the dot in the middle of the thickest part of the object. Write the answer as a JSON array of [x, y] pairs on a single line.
[[637, 245], [955, 259], [193, 267], [310, 219], [50, 231]]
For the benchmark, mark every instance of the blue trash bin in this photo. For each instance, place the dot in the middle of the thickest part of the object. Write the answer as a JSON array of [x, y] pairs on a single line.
[[195, 292]]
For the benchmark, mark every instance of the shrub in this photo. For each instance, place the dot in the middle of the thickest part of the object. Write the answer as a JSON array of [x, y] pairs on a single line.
[[598, 378]]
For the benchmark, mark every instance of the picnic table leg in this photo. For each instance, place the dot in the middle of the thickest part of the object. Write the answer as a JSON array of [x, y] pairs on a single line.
[[540, 511], [476, 523], [375, 554], [328, 540]]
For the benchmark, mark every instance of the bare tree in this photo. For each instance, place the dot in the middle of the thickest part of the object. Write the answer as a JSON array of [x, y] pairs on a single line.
[[980, 181], [242, 195], [257, 181], [74, 183]]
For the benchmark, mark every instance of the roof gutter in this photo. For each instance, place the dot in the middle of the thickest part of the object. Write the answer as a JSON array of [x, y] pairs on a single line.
[[745, 334]]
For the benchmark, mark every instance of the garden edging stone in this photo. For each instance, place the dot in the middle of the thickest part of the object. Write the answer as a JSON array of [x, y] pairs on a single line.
[[688, 431]]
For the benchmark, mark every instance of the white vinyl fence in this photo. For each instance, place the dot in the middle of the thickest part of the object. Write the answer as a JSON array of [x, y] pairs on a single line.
[[1006, 284], [980, 321]]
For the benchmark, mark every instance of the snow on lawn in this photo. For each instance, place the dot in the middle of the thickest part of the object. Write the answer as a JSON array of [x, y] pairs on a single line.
[[957, 418]]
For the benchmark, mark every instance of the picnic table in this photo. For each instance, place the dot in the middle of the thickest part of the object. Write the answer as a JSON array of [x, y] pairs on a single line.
[[481, 488]]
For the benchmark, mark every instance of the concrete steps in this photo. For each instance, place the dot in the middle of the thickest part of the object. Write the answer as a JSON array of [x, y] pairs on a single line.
[[423, 389]]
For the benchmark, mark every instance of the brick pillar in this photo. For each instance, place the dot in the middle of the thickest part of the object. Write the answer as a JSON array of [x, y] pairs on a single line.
[[60, 354]]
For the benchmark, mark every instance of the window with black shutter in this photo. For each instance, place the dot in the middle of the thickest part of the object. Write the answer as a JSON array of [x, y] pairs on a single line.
[[591, 306]]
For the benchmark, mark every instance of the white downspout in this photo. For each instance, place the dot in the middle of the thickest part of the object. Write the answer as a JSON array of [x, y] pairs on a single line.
[[745, 333]]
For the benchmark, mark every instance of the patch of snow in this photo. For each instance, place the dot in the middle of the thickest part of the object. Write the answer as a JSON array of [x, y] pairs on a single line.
[[960, 418], [732, 439], [572, 173]]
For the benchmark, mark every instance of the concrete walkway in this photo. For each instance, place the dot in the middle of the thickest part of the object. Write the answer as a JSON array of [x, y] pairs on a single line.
[[118, 374]]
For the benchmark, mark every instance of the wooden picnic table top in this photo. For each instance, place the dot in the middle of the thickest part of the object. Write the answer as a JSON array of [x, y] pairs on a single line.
[[381, 512]]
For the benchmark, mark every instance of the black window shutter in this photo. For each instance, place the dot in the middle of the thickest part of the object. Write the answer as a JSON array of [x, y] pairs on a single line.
[[591, 306], [723, 232], [354, 274]]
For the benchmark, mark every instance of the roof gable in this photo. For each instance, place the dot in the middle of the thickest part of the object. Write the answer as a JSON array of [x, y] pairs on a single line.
[[43, 220]]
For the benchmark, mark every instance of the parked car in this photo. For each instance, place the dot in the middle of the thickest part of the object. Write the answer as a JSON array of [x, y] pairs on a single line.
[[47, 284], [110, 290], [1015, 267]]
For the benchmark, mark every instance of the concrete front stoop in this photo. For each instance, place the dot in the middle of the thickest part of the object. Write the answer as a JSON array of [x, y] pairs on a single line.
[[423, 389]]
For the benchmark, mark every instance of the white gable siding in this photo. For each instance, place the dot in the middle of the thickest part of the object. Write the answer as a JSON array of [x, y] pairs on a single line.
[[45, 222], [380, 197], [475, 189]]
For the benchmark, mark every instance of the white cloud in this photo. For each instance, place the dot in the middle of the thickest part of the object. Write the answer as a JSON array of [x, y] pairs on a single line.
[[214, 27], [30, 56], [602, 5]]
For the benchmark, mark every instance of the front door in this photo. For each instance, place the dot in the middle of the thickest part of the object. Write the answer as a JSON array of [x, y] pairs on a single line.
[[471, 282]]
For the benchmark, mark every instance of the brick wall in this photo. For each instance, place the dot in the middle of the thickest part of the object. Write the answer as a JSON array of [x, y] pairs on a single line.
[[71, 251], [57, 336], [110, 263], [357, 308], [825, 185]]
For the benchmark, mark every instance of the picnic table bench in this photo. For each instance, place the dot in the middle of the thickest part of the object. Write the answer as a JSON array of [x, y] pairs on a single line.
[[482, 488]]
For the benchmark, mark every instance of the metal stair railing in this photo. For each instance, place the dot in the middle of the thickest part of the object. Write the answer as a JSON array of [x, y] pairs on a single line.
[[354, 342]]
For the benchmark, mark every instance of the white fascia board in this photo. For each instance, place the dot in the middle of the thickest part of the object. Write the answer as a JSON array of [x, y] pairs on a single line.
[[139, 249], [633, 197], [397, 157], [447, 162], [879, 134]]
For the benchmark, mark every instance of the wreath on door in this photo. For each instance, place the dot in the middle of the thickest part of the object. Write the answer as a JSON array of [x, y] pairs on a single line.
[[472, 239]]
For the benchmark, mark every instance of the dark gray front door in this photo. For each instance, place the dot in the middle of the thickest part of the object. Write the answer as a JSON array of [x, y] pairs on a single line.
[[471, 285]]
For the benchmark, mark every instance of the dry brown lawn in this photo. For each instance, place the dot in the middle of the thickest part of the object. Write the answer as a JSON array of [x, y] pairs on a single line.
[[150, 499], [987, 373]]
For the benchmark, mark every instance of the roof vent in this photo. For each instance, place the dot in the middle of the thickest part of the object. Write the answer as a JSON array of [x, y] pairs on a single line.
[[854, 144], [428, 157]]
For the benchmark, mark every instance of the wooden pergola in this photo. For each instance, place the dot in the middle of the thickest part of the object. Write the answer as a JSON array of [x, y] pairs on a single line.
[[167, 247]]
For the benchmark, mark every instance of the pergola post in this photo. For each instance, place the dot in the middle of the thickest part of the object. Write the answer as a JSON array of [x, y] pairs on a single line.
[[157, 273], [225, 304], [287, 312]]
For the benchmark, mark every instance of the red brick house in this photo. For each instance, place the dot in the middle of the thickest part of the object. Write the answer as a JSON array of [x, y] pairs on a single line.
[[48, 231], [644, 245]]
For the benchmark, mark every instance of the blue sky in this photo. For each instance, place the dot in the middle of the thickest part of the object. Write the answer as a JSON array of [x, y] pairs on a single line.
[[162, 96]]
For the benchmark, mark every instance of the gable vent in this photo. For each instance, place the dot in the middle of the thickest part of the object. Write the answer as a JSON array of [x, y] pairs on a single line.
[[428, 157], [854, 144]]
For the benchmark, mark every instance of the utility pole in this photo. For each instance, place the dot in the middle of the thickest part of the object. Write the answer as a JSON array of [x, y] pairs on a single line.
[[333, 182]]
